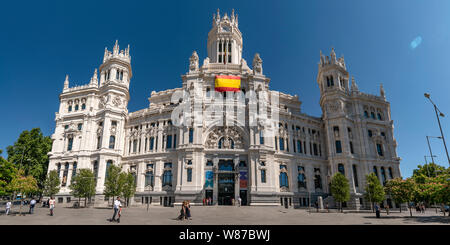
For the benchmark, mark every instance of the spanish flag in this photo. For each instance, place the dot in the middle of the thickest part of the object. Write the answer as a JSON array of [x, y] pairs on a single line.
[[227, 83]]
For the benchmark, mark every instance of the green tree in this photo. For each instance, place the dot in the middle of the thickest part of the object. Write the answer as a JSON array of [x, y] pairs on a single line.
[[25, 185], [83, 185], [7, 173], [113, 182], [29, 153], [128, 186], [340, 189], [51, 183], [374, 189], [427, 170]]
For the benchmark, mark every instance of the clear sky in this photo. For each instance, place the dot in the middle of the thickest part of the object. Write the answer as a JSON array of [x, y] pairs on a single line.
[[403, 44]]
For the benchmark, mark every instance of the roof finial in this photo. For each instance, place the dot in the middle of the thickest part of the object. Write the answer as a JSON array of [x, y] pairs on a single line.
[[66, 82], [218, 14], [116, 48], [382, 90]]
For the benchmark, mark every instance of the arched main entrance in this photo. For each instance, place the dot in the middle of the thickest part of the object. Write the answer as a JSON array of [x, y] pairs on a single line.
[[226, 182]]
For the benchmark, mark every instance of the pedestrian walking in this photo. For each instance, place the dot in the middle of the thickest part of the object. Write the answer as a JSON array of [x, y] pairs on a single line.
[[182, 215], [51, 204], [239, 201], [32, 203], [119, 214], [188, 210], [117, 205], [8, 207], [377, 210]]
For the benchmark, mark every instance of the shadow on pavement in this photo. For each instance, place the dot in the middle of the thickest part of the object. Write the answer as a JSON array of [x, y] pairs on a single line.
[[421, 219]]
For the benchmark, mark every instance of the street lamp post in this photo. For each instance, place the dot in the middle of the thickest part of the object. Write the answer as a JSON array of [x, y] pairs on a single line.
[[439, 122]]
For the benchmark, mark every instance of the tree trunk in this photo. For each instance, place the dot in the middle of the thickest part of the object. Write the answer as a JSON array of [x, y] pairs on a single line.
[[410, 212], [79, 201]]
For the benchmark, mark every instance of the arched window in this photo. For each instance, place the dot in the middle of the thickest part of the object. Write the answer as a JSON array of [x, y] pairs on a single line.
[[366, 114], [341, 168], [69, 145], [375, 170], [70, 108], [355, 175], [284, 180], [261, 137], [108, 164], [112, 141], [117, 74], [263, 176], [74, 169], [383, 175], [331, 81], [391, 176], [336, 131], [379, 117], [66, 172], [83, 106], [372, 114], [380, 150], [59, 170], [281, 140], [152, 142], [301, 179], [328, 82], [121, 75], [299, 146], [76, 107]]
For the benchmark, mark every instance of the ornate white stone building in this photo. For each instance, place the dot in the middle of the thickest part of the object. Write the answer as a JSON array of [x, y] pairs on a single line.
[[294, 166]]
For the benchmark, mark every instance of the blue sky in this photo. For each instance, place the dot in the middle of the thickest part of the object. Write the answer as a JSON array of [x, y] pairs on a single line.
[[402, 44]]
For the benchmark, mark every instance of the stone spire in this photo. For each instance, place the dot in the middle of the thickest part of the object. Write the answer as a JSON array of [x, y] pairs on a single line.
[[94, 78], [66, 82], [116, 48], [354, 86]]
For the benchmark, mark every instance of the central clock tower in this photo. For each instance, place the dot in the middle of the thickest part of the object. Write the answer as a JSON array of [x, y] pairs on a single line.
[[225, 40]]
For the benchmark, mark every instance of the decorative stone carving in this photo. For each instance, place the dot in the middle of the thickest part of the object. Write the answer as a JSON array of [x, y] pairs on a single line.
[[193, 62], [257, 64], [228, 134]]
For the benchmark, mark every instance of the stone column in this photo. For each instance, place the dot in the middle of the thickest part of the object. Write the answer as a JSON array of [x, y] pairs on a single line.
[[140, 175], [236, 180], [216, 182], [158, 171]]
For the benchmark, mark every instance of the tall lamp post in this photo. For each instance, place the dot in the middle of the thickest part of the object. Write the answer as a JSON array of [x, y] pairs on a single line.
[[439, 122], [429, 147]]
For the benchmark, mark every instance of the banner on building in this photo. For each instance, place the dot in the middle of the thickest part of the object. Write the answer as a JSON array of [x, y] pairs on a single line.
[[243, 180], [209, 179]]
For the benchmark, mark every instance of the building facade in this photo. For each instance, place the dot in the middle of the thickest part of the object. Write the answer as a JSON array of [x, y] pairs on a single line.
[[232, 153]]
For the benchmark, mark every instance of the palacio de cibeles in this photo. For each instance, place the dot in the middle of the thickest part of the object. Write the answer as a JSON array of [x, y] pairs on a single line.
[[224, 134]]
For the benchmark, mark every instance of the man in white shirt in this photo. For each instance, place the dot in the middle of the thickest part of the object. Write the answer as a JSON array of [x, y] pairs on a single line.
[[8, 207], [32, 203], [117, 205], [51, 203]]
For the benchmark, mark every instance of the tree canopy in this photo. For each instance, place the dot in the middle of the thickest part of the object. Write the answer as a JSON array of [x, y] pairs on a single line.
[[83, 184], [7, 173], [29, 153], [113, 181], [374, 190], [51, 183], [340, 188]]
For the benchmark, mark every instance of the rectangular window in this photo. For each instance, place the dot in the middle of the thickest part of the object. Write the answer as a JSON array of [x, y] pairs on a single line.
[[145, 145], [304, 147], [338, 146], [261, 137], [316, 153], [351, 147], [369, 132], [189, 175], [310, 149], [209, 163], [99, 142], [263, 176], [112, 141], [80, 126], [299, 146], [293, 143], [74, 169], [169, 142]]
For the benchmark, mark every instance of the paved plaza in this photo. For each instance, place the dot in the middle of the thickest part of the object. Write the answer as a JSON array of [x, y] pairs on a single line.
[[216, 215]]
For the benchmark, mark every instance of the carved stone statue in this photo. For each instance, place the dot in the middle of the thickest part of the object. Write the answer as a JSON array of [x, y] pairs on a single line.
[[193, 62], [257, 64]]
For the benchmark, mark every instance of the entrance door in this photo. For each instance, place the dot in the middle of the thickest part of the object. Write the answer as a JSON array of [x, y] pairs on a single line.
[[243, 195], [209, 194], [226, 188]]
